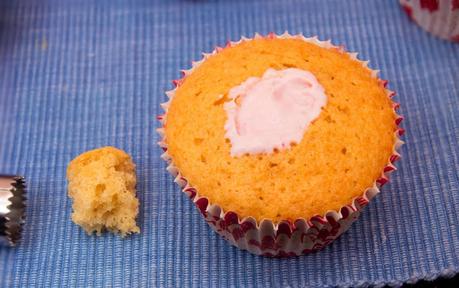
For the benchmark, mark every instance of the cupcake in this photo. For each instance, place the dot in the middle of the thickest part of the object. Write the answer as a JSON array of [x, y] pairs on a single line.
[[441, 18], [280, 141]]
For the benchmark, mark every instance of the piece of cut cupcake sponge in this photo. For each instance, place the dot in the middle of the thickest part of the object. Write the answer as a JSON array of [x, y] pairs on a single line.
[[101, 183]]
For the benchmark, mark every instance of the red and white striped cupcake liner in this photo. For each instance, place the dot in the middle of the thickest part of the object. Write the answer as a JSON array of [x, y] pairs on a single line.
[[439, 17], [284, 238]]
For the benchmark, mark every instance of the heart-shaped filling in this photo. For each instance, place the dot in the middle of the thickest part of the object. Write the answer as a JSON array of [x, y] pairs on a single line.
[[273, 111]]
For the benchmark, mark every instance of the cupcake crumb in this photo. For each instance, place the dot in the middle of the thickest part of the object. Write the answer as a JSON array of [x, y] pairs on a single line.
[[101, 183]]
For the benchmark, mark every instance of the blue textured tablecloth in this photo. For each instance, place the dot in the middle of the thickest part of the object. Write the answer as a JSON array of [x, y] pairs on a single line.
[[76, 75]]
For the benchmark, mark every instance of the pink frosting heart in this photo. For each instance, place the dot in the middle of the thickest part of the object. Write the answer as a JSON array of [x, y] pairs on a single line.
[[273, 111]]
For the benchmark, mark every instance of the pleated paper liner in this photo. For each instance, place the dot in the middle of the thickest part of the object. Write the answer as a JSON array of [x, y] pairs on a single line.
[[284, 238], [439, 17]]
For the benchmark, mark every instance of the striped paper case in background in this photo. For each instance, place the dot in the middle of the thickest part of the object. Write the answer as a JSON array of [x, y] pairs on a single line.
[[75, 75]]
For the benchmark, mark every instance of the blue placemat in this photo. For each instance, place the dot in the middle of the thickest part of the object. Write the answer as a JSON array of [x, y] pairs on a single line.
[[76, 75]]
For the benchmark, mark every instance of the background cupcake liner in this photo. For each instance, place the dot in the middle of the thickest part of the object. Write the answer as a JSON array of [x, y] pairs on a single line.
[[284, 238], [439, 17]]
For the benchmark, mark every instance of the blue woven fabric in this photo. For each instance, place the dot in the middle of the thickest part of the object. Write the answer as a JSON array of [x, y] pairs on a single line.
[[76, 75]]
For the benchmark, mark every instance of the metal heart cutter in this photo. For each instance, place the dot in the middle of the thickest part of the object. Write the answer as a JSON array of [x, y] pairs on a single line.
[[12, 208]]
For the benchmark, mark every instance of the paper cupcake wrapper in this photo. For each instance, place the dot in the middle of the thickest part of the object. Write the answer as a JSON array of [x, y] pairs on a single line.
[[439, 17], [284, 238]]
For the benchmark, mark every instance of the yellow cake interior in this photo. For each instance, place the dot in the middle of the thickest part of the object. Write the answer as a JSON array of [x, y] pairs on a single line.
[[341, 154], [102, 187]]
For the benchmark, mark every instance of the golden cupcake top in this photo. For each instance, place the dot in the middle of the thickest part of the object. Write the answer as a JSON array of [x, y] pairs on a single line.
[[341, 151]]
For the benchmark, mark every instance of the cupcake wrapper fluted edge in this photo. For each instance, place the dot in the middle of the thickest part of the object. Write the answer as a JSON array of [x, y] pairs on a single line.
[[284, 238], [441, 18]]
